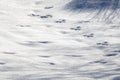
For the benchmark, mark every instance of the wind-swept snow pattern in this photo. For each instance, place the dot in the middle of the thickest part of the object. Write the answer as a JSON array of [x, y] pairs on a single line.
[[104, 8], [59, 40]]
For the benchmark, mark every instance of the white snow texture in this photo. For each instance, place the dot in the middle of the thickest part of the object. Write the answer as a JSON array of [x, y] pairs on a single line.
[[41, 40]]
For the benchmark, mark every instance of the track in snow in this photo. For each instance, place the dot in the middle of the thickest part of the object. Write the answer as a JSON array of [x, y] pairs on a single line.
[[41, 41]]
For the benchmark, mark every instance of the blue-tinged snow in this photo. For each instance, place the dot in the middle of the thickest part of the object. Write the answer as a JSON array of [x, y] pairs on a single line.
[[44, 40], [93, 4]]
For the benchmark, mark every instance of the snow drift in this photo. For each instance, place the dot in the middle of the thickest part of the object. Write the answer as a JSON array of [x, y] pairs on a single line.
[[39, 40]]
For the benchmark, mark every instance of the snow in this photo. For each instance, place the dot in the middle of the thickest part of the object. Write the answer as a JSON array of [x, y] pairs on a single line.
[[40, 40]]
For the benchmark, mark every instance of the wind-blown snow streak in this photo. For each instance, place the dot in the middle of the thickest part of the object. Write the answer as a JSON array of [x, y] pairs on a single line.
[[104, 8], [39, 40]]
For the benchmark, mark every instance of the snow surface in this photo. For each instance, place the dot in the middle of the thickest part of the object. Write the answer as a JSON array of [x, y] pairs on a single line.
[[39, 40]]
